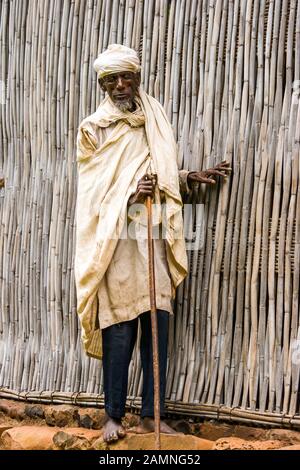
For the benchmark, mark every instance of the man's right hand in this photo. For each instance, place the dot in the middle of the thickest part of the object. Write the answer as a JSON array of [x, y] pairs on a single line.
[[145, 188]]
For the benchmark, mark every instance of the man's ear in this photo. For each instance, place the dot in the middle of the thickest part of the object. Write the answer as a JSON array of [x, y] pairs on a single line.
[[102, 84], [138, 78]]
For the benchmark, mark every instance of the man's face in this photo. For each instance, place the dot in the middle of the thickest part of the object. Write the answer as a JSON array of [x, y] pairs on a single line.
[[121, 88]]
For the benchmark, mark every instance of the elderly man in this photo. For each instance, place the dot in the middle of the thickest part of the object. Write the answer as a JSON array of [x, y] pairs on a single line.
[[127, 139]]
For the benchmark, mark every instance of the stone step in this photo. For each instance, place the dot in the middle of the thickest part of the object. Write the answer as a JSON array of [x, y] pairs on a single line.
[[54, 438], [48, 438]]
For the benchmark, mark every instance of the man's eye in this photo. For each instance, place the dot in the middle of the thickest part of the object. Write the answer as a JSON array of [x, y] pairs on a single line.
[[110, 79]]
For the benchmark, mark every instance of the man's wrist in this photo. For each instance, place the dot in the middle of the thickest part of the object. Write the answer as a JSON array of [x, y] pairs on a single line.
[[183, 181], [189, 181], [189, 177]]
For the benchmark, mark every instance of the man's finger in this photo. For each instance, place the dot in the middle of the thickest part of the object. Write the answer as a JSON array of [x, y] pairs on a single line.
[[145, 188], [216, 172], [207, 180], [146, 192], [148, 177], [223, 167], [146, 181]]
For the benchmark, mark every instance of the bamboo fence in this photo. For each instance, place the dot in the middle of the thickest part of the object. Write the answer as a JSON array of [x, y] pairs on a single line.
[[228, 75]]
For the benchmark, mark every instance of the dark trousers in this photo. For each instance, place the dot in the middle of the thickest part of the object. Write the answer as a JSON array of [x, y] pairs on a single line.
[[118, 344]]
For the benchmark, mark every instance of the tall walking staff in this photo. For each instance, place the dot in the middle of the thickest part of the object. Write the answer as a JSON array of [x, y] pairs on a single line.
[[153, 323]]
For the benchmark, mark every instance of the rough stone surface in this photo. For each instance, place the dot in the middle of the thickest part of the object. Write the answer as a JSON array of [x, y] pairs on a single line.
[[284, 435], [35, 411], [99, 444], [89, 434], [65, 441], [23, 425], [91, 418], [4, 428], [61, 416], [75, 439], [212, 430], [168, 442], [235, 443], [13, 409], [48, 438], [250, 433], [294, 447], [181, 425], [28, 438]]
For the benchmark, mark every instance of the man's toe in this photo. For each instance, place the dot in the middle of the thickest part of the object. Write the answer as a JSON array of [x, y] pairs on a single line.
[[121, 432], [113, 437]]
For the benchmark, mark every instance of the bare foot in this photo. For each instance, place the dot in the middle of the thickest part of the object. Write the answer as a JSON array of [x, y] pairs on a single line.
[[112, 430], [147, 425]]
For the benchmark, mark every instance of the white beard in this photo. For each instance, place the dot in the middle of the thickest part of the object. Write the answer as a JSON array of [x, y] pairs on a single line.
[[124, 105]]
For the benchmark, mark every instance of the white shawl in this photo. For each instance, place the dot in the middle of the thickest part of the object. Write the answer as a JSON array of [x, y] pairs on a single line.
[[106, 178]]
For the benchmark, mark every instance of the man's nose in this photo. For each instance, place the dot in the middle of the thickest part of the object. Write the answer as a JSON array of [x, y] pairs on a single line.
[[120, 83]]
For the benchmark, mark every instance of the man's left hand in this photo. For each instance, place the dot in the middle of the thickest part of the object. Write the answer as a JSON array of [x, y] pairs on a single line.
[[208, 176]]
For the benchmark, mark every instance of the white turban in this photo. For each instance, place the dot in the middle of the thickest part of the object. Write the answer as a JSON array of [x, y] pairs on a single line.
[[117, 58]]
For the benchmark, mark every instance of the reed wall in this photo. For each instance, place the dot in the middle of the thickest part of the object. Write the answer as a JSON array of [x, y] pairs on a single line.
[[228, 75]]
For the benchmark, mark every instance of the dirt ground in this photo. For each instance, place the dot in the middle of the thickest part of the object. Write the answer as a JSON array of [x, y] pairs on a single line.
[[30, 426]]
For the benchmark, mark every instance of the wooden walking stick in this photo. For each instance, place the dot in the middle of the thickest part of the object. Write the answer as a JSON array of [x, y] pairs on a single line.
[[153, 326]]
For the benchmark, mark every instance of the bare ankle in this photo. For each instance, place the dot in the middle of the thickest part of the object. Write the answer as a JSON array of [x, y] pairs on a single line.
[[110, 418]]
